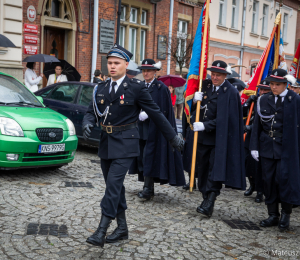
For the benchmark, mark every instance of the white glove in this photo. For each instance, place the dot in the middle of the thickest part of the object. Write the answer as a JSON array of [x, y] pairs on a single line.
[[198, 126], [143, 116], [255, 155], [198, 97]]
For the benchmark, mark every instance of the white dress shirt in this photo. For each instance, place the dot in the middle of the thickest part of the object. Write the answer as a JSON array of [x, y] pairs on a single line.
[[119, 81], [217, 87], [31, 80], [60, 78], [282, 95], [149, 84]]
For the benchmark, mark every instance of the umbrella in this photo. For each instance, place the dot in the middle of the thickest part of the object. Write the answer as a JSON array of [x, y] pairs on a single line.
[[5, 42], [67, 69], [41, 58], [172, 80], [233, 75], [234, 80]]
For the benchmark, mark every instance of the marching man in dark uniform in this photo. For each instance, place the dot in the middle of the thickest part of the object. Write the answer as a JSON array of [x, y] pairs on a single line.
[[275, 141], [153, 146], [116, 104], [220, 150], [253, 168]]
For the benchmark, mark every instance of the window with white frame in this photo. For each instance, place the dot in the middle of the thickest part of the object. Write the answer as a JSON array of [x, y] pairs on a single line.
[[133, 15], [264, 28], [285, 26], [132, 41], [123, 13], [122, 36], [254, 17], [143, 44], [182, 36], [143, 18], [233, 15], [222, 12]]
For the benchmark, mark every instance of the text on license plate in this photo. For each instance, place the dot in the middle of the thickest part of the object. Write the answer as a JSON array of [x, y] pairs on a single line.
[[51, 148]]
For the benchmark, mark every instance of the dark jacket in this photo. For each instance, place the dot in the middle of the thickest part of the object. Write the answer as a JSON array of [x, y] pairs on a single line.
[[97, 80], [289, 177], [168, 164], [229, 164], [125, 144]]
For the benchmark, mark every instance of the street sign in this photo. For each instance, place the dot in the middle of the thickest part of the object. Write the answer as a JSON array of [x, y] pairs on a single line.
[[30, 28], [31, 13], [107, 35], [161, 47], [31, 39], [29, 49]]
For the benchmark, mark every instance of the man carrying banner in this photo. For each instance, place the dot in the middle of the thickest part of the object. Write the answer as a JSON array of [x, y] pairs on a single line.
[[220, 148], [275, 141]]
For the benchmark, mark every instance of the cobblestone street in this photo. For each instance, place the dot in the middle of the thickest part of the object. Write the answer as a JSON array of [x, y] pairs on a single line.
[[48, 214]]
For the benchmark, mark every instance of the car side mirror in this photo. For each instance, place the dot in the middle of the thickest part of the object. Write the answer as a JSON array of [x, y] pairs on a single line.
[[40, 99]]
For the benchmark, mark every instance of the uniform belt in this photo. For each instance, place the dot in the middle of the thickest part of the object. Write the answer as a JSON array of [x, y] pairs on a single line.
[[273, 134], [110, 129]]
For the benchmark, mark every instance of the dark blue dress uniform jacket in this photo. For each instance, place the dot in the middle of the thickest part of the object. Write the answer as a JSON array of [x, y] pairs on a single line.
[[286, 147], [125, 144]]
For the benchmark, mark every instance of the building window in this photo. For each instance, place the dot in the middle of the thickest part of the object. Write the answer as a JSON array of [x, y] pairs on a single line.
[[59, 9], [182, 36], [144, 18], [234, 11], [222, 12], [264, 28], [254, 17], [133, 15], [132, 41], [285, 26], [122, 36], [143, 44], [55, 8], [123, 13]]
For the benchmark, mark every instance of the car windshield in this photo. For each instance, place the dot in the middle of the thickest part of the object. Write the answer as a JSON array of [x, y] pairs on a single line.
[[14, 93]]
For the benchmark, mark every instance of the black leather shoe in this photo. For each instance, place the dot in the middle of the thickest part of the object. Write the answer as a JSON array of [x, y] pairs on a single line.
[[207, 206], [98, 238], [273, 218], [148, 191], [251, 189], [186, 186], [121, 232], [284, 222], [259, 197]]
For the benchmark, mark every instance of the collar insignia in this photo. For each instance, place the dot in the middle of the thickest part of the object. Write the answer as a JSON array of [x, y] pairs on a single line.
[[125, 84]]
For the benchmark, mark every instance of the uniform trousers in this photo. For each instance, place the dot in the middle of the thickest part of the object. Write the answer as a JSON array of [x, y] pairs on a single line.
[[114, 171], [205, 164], [270, 174]]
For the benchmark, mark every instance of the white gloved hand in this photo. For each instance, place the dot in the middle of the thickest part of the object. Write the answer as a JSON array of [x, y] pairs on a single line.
[[198, 126], [143, 116], [255, 155], [198, 97]]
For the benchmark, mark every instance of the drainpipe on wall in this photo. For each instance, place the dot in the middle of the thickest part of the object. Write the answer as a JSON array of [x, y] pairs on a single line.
[[243, 35], [95, 38], [170, 35]]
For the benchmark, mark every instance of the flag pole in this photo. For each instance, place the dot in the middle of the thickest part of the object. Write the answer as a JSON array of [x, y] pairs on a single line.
[[277, 21], [205, 33]]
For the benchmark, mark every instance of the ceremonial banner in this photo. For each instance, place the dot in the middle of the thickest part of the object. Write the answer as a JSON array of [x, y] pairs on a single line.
[[295, 65], [192, 84]]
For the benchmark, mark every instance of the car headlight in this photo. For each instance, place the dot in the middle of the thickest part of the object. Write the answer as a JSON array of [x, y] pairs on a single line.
[[71, 127], [9, 126]]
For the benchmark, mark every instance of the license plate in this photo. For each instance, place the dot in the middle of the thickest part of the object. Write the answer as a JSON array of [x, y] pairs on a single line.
[[51, 148]]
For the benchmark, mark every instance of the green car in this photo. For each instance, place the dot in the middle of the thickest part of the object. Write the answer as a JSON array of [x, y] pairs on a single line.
[[32, 135]]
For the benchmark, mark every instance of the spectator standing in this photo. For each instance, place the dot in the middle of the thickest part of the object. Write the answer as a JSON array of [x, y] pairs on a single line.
[[31, 79], [179, 101], [97, 78], [57, 77], [173, 96]]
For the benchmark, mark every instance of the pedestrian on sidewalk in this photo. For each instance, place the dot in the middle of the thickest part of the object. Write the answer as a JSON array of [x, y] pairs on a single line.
[[97, 78], [31, 79], [173, 96], [116, 105], [179, 100]]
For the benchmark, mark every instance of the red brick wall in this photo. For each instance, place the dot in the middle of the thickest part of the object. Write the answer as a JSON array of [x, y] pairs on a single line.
[[158, 19]]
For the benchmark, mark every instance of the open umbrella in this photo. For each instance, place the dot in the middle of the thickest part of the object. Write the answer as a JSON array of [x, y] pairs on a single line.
[[5, 42], [233, 75], [67, 69], [172, 80], [234, 80], [41, 58]]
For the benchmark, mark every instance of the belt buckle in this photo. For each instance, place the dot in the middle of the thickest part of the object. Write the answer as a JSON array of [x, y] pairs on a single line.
[[109, 129], [271, 133]]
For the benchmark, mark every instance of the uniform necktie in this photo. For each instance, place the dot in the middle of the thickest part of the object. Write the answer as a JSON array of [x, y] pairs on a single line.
[[278, 102], [147, 85], [113, 91]]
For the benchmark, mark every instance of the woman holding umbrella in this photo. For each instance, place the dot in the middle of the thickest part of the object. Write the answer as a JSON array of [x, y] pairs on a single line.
[[31, 79]]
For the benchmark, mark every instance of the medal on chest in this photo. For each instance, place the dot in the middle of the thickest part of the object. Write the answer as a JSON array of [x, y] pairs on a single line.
[[122, 99]]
